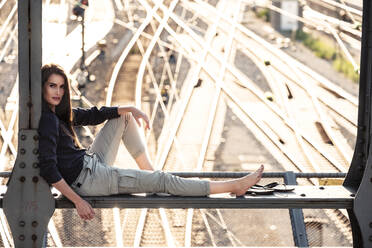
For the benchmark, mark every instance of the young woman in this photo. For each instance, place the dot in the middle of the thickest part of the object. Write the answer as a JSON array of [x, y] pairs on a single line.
[[76, 172]]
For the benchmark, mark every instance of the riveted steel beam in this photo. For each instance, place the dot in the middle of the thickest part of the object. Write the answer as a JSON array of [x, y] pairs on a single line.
[[28, 203]]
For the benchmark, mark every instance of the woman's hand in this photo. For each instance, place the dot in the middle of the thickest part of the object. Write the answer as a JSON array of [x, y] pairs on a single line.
[[85, 210], [137, 114]]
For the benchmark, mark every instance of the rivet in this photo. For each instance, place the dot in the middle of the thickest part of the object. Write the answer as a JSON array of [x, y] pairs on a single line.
[[35, 179], [303, 195], [35, 165], [23, 137], [22, 165], [36, 137], [55, 194], [22, 179], [267, 63], [21, 237], [35, 151], [321, 187], [34, 223], [352, 195], [34, 237], [23, 151], [22, 223]]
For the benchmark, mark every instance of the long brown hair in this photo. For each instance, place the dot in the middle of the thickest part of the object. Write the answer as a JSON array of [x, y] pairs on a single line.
[[63, 109]]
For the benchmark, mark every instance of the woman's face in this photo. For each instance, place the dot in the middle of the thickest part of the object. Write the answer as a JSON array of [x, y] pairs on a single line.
[[53, 90]]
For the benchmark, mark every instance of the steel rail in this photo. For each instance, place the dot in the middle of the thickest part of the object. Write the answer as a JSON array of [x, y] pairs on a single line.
[[149, 68], [211, 117], [7, 134], [320, 79], [165, 225], [125, 53], [348, 13], [259, 125], [119, 231], [234, 174], [157, 87], [6, 238], [335, 142], [223, 225], [154, 107], [191, 32], [342, 6], [282, 94], [2, 3], [227, 54], [141, 74], [209, 230], [8, 42], [315, 24], [322, 99], [149, 37], [8, 19], [242, 79], [116, 215], [188, 93], [145, 62], [178, 65], [140, 77], [344, 27], [314, 99], [140, 227], [142, 218]]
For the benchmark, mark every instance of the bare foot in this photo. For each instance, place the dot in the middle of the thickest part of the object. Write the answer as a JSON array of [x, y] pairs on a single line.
[[244, 183]]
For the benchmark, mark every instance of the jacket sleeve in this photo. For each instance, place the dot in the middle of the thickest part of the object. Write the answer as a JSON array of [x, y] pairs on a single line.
[[93, 116], [48, 139]]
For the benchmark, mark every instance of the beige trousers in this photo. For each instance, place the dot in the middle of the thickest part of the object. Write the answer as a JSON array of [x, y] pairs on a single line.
[[99, 178]]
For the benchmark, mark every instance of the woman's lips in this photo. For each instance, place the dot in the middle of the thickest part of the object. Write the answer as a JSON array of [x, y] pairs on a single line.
[[56, 98]]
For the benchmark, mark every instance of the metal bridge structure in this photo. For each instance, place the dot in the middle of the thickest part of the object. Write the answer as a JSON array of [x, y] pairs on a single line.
[[29, 203]]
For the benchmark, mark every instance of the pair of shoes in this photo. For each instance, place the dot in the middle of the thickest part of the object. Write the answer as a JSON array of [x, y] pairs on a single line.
[[269, 189]]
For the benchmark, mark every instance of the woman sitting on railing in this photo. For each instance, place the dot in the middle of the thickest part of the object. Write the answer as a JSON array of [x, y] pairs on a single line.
[[79, 172]]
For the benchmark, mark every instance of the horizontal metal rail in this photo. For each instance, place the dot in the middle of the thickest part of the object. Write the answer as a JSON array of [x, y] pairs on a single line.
[[241, 174], [310, 197], [265, 174]]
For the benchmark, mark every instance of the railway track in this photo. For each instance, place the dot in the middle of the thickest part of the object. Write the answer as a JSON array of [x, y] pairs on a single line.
[[213, 77]]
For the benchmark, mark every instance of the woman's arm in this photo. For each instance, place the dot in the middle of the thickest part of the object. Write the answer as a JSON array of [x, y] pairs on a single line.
[[93, 116], [83, 208]]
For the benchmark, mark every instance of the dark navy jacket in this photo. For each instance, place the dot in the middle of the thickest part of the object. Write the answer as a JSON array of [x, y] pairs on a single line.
[[58, 156]]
